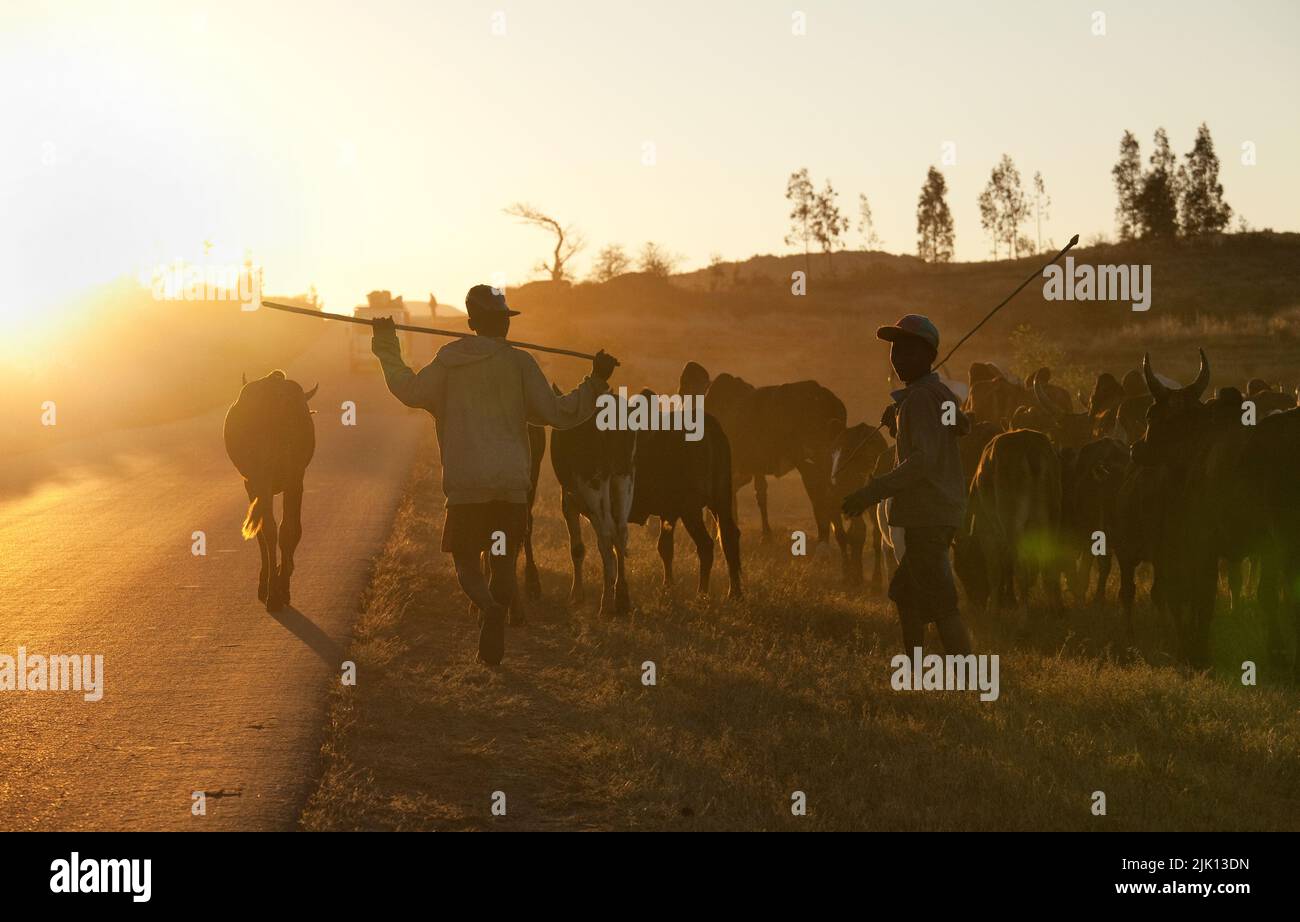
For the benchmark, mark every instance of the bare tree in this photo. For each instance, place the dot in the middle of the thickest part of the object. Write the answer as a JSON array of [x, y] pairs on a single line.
[[657, 261], [568, 242], [866, 225], [611, 262], [828, 223]]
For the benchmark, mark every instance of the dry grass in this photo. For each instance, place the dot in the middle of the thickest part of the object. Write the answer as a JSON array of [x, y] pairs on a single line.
[[788, 690]]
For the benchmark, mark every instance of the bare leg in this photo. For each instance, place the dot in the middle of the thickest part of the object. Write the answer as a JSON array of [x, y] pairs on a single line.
[[469, 573]]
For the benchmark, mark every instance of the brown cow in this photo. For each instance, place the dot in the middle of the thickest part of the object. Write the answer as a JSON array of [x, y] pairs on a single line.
[[270, 438], [776, 429]]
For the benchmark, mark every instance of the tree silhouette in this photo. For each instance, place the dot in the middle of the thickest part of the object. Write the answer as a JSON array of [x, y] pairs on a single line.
[[934, 234], [801, 194], [1003, 207], [611, 262], [828, 224], [1157, 202], [1202, 208], [1127, 172], [568, 242]]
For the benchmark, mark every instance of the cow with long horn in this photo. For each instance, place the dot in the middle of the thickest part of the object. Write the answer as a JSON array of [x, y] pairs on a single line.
[[1236, 495]]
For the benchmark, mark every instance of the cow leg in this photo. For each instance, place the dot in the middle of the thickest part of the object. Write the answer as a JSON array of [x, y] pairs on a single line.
[[1103, 577], [877, 548], [620, 506], [730, 535], [665, 547], [1270, 605], [840, 532], [290, 535], [1233, 568], [270, 535], [857, 540], [264, 574], [577, 550], [694, 523], [1127, 591], [760, 493], [817, 484]]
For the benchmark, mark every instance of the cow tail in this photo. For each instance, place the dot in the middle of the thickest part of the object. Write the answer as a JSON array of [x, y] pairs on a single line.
[[253, 521]]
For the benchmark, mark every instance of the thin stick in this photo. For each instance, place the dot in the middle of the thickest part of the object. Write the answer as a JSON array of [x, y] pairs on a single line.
[[1003, 303], [411, 328]]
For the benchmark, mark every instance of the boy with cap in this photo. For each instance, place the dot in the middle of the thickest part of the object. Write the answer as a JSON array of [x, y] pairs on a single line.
[[482, 394], [926, 484]]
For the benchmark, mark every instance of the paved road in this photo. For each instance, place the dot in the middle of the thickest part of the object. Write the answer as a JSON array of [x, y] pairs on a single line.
[[203, 690]]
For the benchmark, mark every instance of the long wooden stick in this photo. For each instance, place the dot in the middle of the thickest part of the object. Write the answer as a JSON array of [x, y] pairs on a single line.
[[411, 328]]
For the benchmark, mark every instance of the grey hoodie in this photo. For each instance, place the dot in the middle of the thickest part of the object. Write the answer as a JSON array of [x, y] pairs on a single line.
[[927, 482], [482, 394]]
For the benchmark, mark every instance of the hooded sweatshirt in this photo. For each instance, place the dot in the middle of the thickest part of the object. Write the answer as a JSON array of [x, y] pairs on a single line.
[[926, 483], [482, 393]]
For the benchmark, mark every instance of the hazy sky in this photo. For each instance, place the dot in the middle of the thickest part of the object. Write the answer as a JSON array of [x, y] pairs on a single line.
[[360, 146]]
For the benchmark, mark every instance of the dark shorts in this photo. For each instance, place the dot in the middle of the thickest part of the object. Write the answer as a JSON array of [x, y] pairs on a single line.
[[469, 528], [923, 587]]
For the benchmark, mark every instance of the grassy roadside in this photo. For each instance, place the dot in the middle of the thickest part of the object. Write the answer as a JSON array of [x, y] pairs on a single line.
[[786, 691]]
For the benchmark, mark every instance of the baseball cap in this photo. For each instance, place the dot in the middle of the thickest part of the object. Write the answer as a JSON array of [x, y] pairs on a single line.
[[916, 325], [484, 299]]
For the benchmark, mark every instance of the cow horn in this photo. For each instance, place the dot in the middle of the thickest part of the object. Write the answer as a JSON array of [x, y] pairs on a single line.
[[1154, 386], [311, 393], [1197, 387], [1043, 400]]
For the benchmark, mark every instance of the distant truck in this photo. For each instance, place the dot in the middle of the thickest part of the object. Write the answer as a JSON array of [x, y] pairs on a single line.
[[379, 304], [417, 348]]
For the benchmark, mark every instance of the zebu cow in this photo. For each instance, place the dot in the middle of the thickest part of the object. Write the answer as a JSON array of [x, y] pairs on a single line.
[[1091, 476], [1237, 495], [853, 460], [992, 396], [676, 480], [1013, 519], [596, 470], [776, 429], [270, 438]]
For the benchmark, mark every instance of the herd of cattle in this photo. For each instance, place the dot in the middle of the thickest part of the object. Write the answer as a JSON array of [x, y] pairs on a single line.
[[1145, 470]]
